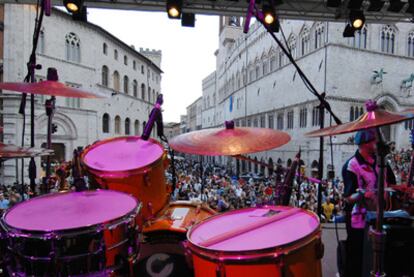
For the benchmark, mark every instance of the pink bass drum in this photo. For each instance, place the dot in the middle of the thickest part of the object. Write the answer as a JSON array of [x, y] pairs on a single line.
[[268, 241], [90, 233], [131, 165]]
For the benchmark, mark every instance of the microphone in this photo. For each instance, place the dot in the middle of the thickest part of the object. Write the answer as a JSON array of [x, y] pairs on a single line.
[[249, 16], [155, 113]]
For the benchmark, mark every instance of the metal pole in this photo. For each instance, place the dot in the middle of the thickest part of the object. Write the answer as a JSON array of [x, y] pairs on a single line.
[[320, 167]]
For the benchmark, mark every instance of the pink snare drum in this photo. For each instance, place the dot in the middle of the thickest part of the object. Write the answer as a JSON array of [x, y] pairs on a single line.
[[131, 165], [72, 233], [268, 241]]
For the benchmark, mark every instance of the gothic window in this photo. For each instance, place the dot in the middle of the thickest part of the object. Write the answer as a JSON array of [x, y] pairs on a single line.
[[127, 126], [360, 38], [257, 71], [315, 116], [280, 120], [72, 48], [116, 81], [388, 39], [265, 67], [41, 42], [255, 123], [351, 114], [105, 48], [305, 41], [136, 127], [270, 122], [251, 75], [105, 73], [319, 35], [290, 116], [411, 44], [135, 88], [303, 117], [105, 123], [273, 63], [292, 45], [262, 121], [117, 124], [143, 91]]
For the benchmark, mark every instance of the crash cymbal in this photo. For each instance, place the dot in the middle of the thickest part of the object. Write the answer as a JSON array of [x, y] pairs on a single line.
[[229, 141], [52, 88], [9, 151], [374, 117]]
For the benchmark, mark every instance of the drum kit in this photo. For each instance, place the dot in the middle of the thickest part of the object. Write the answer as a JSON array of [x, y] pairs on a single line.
[[125, 224]]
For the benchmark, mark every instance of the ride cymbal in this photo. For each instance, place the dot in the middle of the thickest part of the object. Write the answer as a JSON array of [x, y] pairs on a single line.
[[229, 141], [9, 151]]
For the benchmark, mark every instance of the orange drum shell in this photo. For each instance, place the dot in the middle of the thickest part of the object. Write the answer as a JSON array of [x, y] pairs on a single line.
[[300, 258], [147, 183]]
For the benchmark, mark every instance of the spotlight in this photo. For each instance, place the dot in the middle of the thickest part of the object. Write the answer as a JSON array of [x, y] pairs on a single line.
[[349, 31], [73, 6], [82, 15], [174, 8], [357, 19], [268, 14], [188, 20]]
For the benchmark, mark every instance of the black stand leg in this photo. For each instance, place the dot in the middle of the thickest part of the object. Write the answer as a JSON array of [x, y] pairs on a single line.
[[320, 166], [50, 109]]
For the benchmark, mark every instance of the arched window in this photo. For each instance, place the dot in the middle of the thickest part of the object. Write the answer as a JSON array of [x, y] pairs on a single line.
[[305, 41], [105, 49], [149, 94], [116, 81], [360, 38], [116, 54], [411, 44], [319, 34], [388, 39], [136, 127], [105, 72], [117, 124], [127, 126], [105, 123], [135, 88], [126, 84], [125, 60], [143, 91], [292, 45], [73, 48]]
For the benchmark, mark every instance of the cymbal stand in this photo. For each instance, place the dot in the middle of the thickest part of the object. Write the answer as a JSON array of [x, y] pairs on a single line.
[[50, 106]]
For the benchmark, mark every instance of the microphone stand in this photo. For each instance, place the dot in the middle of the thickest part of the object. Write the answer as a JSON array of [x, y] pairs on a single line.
[[50, 110]]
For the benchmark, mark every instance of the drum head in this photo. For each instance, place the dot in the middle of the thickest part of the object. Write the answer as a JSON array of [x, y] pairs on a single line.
[[274, 234], [57, 212], [122, 154]]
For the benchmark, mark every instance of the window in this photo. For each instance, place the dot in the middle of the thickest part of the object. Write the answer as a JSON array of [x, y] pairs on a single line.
[[126, 84], [351, 114], [409, 124], [117, 124], [105, 73], [116, 81], [136, 127], [281, 58], [105, 123], [255, 123], [125, 60], [72, 48], [270, 121], [105, 49], [319, 34], [127, 126], [135, 88], [73, 102], [280, 121], [303, 117], [249, 122], [243, 123], [116, 54], [355, 112], [257, 71], [305, 41], [388, 39], [273, 63], [153, 96], [292, 45], [265, 67], [142, 69], [315, 116], [410, 47], [290, 116], [134, 65], [143, 91], [251, 75], [262, 121], [360, 38], [41, 42], [149, 94]]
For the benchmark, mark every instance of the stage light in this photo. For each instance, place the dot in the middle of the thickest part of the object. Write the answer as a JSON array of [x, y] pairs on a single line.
[[174, 8], [357, 19], [188, 20], [73, 6], [349, 31], [81, 15], [269, 15]]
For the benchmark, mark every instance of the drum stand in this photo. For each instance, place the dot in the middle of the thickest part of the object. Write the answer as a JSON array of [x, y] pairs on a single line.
[[50, 105]]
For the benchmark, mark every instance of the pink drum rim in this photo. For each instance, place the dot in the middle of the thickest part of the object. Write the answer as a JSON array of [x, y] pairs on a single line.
[[107, 222], [208, 252], [115, 173]]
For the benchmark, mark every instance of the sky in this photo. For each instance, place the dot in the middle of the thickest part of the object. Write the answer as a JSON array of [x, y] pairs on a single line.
[[187, 53]]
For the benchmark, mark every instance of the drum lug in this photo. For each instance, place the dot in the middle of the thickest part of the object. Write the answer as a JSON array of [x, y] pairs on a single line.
[[147, 179], [220, 270], [150, 210]]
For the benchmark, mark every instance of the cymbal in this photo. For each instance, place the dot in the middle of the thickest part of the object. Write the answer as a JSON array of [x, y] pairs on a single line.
[[229, 141], [9, 151], [52, 88], [374, 117]]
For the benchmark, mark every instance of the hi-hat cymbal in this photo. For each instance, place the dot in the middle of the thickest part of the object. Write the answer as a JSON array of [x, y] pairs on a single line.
[[229, 141], [52, 88], [374, 117], [9, 151]]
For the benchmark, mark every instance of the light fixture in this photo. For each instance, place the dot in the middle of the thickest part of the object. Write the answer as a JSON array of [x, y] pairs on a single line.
[[357, 19], [349, 31], [188, 20], [269, 15], [73, 6], [81, 15], [174, 8]]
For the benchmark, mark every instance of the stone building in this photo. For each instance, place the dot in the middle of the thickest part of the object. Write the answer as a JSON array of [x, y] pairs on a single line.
[[86, 57], [255, 85]]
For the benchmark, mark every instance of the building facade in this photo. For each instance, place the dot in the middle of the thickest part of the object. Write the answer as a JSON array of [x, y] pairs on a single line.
[[86, 57], [255, 84]]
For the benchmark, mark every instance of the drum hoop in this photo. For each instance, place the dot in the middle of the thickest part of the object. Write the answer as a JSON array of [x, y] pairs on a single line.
[[140, 170], [279, 248], [73, 232]]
